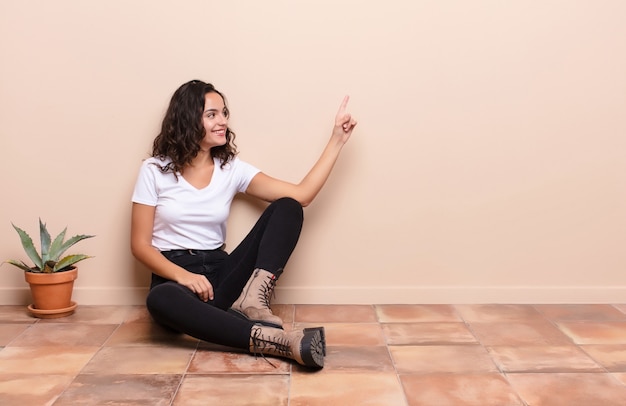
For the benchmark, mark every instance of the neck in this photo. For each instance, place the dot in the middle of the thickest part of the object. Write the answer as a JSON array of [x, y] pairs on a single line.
[[203, 158]]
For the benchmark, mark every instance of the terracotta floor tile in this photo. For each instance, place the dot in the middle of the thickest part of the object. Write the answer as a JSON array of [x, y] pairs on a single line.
[[427, 333], [339, 388], [491, 313], [94, 314], [543, 359], [441, 358], [611, 357], [45, 360], [437, 354], [284, 311], [595, 332], [416, 313], [207, 346], [154, 390], [23, 390], [357, 359], [579, 389], [146, 334], [581, 312], [139, 360], [350, 334], [16, 314], [138, 314], [235, 362], [48, 334], [335, 314], [233, 390], [10, 331], [459, 390], [620, 376], [519, 333]]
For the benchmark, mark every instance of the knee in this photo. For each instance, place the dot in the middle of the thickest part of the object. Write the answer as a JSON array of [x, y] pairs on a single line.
[[288, 204], [161, 297], [158, 304], [154, 301]]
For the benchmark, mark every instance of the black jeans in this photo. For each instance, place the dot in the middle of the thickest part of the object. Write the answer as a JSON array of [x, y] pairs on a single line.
[[267, 246]]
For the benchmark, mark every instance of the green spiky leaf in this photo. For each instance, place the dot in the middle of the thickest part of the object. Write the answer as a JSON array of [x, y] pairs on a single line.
[[56, 245], [44, 237], [19, 264], [69, 261], [51, 251], [54, 256], [29, 247]]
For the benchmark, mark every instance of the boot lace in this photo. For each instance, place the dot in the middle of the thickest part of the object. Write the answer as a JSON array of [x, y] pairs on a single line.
[[266, 291], [262, 345]]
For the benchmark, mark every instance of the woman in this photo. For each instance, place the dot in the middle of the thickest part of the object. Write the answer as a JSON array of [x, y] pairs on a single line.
[[181, 203]]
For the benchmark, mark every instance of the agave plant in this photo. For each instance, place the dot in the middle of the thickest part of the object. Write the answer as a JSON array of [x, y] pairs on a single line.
[[50, 259]]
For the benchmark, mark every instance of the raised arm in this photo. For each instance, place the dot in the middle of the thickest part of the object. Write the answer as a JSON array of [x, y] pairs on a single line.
[[269, 189], [142, 223]]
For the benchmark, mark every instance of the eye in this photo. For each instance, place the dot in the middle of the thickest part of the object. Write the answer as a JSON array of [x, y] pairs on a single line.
[[210, 115], [226, 113]]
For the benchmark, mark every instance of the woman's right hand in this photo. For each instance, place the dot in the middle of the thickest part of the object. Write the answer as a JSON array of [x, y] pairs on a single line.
[[142, 223], [198, 284]]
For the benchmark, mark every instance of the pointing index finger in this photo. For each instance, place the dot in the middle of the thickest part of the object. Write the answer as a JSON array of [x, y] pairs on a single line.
[[344, 103]]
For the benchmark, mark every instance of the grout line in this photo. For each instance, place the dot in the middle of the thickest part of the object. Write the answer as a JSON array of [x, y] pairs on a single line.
[[184, 374]]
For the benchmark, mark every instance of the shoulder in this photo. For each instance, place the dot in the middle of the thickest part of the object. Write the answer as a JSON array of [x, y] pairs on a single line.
[[238, 171], [245, 167], [155, 161]]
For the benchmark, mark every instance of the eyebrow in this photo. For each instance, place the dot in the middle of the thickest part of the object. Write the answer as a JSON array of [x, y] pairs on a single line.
[[215, 110]]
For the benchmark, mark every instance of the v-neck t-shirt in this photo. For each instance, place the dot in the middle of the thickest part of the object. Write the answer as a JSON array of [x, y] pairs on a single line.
[[187, 217]]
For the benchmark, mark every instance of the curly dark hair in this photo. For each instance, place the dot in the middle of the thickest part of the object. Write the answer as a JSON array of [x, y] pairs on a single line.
[[182, 129]]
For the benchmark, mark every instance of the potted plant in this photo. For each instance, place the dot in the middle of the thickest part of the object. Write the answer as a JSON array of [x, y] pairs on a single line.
[[51, 278]]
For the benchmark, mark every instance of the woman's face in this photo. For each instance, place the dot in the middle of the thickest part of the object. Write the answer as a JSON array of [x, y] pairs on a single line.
[[215, 121]]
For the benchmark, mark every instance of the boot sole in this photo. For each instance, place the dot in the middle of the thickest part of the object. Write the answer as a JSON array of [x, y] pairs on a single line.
[[322, 336], [311, 349], [244, 317]]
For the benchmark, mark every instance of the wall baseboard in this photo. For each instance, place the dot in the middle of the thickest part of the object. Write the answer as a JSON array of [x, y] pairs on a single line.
[[83, 296], [366, 295], [452, 295]]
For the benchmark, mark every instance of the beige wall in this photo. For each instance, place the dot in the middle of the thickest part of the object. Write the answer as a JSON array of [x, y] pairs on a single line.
[[488, 163]]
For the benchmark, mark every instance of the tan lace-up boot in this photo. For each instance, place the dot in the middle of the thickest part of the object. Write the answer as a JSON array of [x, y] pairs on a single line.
[[303, 346], [254, 302]]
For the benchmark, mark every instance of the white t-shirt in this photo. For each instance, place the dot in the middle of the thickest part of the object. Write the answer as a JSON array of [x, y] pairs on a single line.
[[186, 217]]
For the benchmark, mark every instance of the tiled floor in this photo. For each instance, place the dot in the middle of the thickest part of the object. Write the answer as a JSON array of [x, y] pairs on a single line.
[[433, 355]]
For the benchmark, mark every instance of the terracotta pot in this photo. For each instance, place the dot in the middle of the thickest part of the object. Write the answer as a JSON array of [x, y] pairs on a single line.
[[52, 293]]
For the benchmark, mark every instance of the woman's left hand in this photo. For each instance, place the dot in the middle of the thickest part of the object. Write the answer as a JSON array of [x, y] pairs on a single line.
[[344, 122]]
